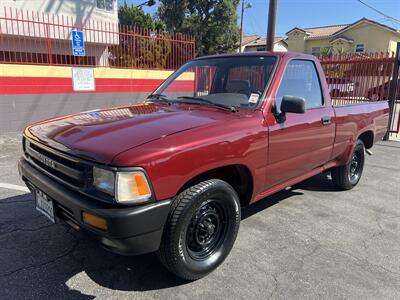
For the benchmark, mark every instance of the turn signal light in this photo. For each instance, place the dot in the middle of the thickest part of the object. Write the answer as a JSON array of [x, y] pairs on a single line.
[[94, 221], [132, 187], [140, 187]]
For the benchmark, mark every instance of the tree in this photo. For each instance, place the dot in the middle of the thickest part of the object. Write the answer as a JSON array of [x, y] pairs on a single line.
[[213, 23], [135, 16], [138, 33]]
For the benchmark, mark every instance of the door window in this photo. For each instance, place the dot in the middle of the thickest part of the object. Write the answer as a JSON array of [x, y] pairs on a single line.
[[301, 80]]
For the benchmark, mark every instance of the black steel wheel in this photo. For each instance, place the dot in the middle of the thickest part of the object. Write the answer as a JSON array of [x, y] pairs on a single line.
[[207, 230], [355, 167], [346, 177], [201, 229]]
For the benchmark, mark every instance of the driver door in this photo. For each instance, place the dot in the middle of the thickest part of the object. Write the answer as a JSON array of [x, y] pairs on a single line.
[[304, 141]]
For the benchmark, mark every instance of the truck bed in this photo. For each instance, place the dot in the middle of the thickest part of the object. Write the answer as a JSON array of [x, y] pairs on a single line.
[[357, 117]]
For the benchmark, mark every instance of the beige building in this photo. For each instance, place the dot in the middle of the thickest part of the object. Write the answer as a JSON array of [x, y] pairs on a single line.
[[362, 36], [257, 43]]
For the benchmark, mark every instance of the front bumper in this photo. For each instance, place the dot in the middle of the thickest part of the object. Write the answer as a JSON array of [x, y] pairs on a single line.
[[131, 230]]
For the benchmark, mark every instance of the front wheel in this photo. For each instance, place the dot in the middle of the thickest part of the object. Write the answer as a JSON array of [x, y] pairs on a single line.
[[201, 229], [346, 177]]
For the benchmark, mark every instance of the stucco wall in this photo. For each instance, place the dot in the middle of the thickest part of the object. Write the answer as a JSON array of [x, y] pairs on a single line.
[[342, 46], [322, 43], [374, 38], [63, 15], [18, 111], [280, 47], [81, 10], [393, 43], [296, 41]]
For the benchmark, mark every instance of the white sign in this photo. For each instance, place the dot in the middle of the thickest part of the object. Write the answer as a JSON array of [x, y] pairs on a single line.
[[83, 79], [253, 98]]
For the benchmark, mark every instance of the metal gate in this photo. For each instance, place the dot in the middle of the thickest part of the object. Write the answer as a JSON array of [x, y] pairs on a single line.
[[366, 77]]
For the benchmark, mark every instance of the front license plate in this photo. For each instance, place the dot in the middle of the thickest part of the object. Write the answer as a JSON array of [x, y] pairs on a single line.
[[44, 205]]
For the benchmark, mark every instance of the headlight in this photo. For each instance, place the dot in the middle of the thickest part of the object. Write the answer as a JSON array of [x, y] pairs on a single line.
[[132, 186], [104, 180], [124, 186]]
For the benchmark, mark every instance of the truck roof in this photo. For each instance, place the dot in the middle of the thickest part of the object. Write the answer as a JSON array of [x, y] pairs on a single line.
[[258, 54]]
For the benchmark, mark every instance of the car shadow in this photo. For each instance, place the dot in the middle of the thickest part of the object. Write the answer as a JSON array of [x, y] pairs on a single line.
[[319, 183], [49, 260], [267, 202], [53, 259]]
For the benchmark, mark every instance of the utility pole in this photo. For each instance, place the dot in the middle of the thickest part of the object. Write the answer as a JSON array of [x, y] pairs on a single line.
[[271, 24], [248, 5], [241, 27]]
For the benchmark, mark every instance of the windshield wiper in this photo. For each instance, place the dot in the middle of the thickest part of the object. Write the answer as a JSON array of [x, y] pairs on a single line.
[[202, 100], [159, 98]]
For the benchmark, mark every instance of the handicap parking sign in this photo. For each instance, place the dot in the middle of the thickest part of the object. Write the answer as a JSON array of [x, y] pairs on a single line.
[[78, 43]]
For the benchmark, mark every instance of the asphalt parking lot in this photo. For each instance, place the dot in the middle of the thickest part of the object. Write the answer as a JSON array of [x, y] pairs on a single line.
[[308, 242]]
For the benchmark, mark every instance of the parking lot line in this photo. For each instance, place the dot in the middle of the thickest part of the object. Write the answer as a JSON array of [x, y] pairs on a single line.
[[14, 187]]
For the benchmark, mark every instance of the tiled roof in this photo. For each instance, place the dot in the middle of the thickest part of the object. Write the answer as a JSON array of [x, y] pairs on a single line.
[[249, 38], [325, 31], [263, 41], [332, 30]]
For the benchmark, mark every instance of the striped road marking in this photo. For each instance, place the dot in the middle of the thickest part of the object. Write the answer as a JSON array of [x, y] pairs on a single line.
[[14, 187]]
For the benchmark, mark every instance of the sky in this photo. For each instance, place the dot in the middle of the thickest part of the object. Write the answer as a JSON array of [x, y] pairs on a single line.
[[310, 13]]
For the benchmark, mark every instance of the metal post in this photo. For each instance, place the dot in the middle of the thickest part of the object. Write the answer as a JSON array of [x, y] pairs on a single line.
[[271, 24], [49, 47], [241, 27], [393, 90]]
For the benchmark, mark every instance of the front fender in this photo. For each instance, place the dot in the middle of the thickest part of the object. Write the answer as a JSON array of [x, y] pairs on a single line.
[[172, 161]]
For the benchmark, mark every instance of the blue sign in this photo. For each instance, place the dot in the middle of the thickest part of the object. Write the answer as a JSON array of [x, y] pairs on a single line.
[[78, 43]]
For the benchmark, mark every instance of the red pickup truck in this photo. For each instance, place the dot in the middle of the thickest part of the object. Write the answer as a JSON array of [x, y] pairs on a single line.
[[172, 173]]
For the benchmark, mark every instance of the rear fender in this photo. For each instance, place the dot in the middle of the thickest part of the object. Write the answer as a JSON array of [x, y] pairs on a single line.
[[345, 158]]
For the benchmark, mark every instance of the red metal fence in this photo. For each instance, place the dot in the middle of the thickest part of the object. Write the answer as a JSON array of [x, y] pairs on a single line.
[[28, 37], [363, 77]]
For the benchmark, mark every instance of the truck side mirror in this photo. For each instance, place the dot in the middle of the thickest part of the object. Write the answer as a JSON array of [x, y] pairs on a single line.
[[293, 104], [290, 104]]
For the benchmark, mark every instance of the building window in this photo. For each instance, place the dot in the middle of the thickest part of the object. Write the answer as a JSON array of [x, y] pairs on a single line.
[[105, 4], [262, 49], [359, 48], [315, 50]]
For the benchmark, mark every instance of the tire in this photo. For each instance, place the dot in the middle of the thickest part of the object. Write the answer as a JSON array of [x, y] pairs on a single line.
[[346, 177], [200, 230]]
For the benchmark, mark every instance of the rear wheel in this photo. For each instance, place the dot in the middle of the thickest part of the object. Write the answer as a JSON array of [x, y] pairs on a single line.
[[201, 229], [346, 177]]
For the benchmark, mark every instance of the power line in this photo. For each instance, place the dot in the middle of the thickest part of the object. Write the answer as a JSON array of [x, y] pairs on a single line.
[[379, 12], [256, 26]]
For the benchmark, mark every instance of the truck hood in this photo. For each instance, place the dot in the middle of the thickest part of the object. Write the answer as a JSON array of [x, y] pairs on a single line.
[[100, 135]]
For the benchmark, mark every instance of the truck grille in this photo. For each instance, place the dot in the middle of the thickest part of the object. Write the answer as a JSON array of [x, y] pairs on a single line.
[[59, 165]]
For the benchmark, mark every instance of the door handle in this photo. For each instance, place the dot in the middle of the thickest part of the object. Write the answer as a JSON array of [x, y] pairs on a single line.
[[326, 120]]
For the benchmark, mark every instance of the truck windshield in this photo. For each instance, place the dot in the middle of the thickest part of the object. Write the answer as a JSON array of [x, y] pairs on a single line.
[[224, 82]]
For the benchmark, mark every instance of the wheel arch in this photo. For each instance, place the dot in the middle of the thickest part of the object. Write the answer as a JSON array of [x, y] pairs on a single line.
[[237, 175], [367, 137]]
